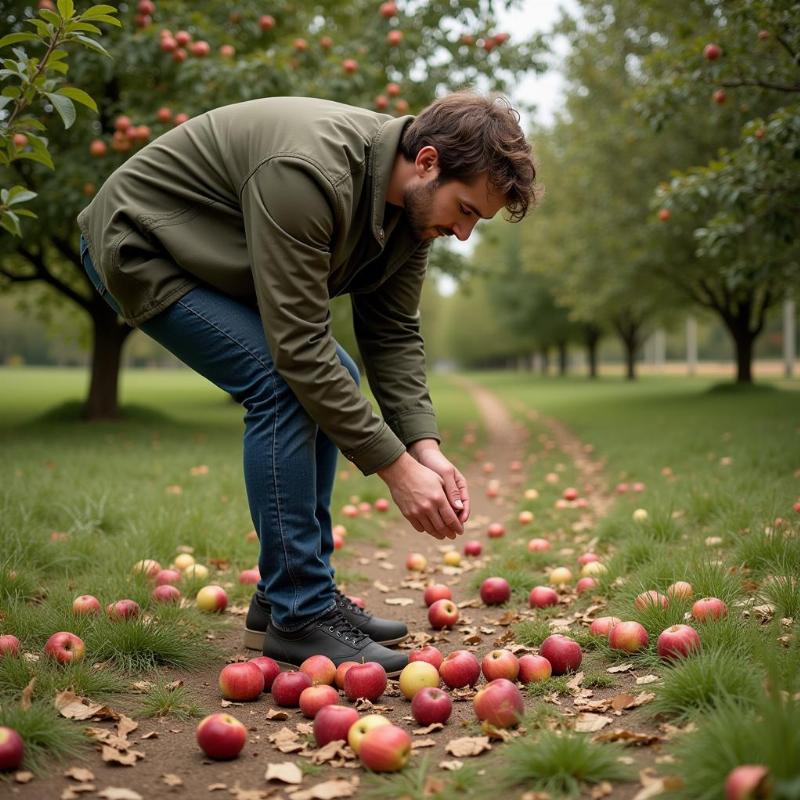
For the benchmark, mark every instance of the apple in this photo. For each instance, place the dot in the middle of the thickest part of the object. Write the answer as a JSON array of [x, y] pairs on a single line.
[[515, 466], [677, 641], [436, 591], [748, 781], [183, 561], [712, 51], [452, 558], [388, 9], [417, 675], [350, 511], [212, 598], [563, 653], [361, 727], [525, 517], [179, 119], [709, 608], [542, 596], [64, 647], [381, 504], [381, 102], [585, 585], [495, 591], [429, 653], [164, 114], [488, 467], [460, 668], [221, 736], [531, 494], [570, 494], [97, 148], [9, 645], [680, 589], [499, 703], [147, 567], [393, 89], [385, 748], [269, 669], [320, 669], [472, 547], [621, 488], [341, 671], [364, 507], [333, 722], [365, 680], [638, 487], [630, 637], [266, 21], [338, 541], [552, 477], [443, 614], [602, 625], [559, 576], [12, 749], [587, 558], [168, 576], [394, 38], [86, 604], [199, 571], [533, 669], [496, 530], [122, 123], [288, 686], [227, 51], [431, 704], [248, 576], [123, 609], [650, 599], [241, 681], [593, 568], [639, 515], [315, 698], [416, 562], [538, 545], [166, 594], [500, 664]]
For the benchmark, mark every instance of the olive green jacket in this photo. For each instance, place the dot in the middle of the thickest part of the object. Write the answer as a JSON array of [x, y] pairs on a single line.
[[280, 202]]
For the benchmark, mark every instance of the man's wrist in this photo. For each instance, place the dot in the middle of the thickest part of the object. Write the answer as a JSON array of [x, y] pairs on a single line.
[[418, 447]]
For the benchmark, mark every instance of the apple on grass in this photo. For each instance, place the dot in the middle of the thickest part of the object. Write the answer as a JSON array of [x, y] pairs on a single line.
[[385, 748], [147, 567], [9, 645], [500, 664], [542, 596], [709, 608], [315, 698], [593, 568], [677, 641], [221, 736], [460, 668], [559, 576], [166, 576], [361, 727], [499, 703], [365, 680], [250, 576], [436, 591], [495, 591], [748, 781], [496, 530], [86, 604], [12, 749], [320, 669], [64, 647], [443, 614], [430, 705], [537, 545], [241, 681], [333, 722], [650, 599], [428, 653], [212, 598], [586, 585], [602, 625], [166, 593], [680, 589], [630, 637], [563, 653], [269, 669], [525, 517], [417, 675], [123, 609], [472, 547], [587, 558], [288, 686], [534, 669]]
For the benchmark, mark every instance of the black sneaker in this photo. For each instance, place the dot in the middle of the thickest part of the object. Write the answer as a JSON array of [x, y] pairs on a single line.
[[331, 635], [383, 631]]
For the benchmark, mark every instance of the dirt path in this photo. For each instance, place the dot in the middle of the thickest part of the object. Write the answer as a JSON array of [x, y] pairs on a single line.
[[169, 746]]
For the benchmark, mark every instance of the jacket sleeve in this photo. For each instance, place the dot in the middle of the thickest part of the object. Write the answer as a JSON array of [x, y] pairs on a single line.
[[386, 324], [289, 208]]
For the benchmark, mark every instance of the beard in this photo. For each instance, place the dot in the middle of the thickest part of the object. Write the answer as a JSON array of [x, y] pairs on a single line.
[[418, 203]]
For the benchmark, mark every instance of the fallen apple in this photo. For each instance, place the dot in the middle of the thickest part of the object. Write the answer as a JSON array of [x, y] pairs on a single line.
[[443, 614], [269, 669], [212, 599], [417, 675], [436, 591], [472, 547], [563, 653], [65, 647], [315, 698], [361, 727], [680, 589], [500, 664], [747, 782], [12, 749], [534, 669], [341, 671], [542, 596], [538, 545], [495, 591], [385, 748], [221, 736], [333, 722], [431, 704], [416, 562], [602, 625], [123, 609], [650, 599], [166, 593], [677, 641], [496, 530], [428, 653], [499, 703], [460, 668], [86, 604], [288, 686], [320, 669], [242, 681], [9, 645], [365, 680], [709, 608], [560, 576], [630, 637]]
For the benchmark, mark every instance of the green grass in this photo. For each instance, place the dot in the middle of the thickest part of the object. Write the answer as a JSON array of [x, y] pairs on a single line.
[[164, 699]]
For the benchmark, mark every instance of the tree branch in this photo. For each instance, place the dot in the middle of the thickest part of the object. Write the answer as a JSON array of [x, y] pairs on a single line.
[[44, 274], [778, 87], [64, 248], [787, 47]]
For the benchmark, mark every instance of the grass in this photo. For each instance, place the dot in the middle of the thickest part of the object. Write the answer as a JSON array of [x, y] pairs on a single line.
[[164, 699]]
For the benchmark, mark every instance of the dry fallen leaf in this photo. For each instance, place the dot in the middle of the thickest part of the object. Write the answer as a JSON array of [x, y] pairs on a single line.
[[127, 758], [286, 772], [274, 713], [603, 789], [620, 668], [329, 790], [126, 725], [75, 792], [468, 746], [645, 679], [117, 793], [629, 737], [171, 779], [451, 765], [423, 743], [247, 794], [588, 723], [23, 776], [80, 774], [216, 787], [27, 692], [434, 726], [71, 706], [398, 601], [150, 735]]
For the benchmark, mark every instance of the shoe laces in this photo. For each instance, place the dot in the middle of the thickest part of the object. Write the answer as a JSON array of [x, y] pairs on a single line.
[[338, 624], [343, 601]]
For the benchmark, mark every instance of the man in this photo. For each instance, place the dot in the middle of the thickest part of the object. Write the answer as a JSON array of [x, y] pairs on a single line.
[[224, 240]]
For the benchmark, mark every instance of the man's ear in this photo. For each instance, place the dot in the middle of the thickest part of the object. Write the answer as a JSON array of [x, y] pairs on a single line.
[[427, 160]]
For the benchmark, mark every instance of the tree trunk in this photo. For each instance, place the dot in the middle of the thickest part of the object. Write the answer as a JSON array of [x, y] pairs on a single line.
[[629, 330], [591, 340], [545, 360], [108, 340], [630, 359], [743, 340], [562, 358]]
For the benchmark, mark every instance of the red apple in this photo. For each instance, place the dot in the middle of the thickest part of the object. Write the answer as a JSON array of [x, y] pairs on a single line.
[[417, 675], [563, 653], [602, 625], [500, 664], [630, 637], [350, 65], [388, 9], [525, 517], [393, 89], [266, 22], [538, 545], [364, 507], [719, 96], [381, 102], [361, 727], [365, 680], [386, 748], [431, 704], [179, 119], [677, 641], [320, 669], [436, 591], [533, 669], [680, 589], [12, 749], [585, 585], [443, 614], [496, 530], [588, 558], [428, 653], [394, 38], [338, 541], [381, 504], [416, 562], [712, 51], [250, 576], [9, 645], [315, 698], [148, 566], [98, 148], [269, 669], [123, 609], [86, 604], [227, 51], [221, 736], [212, 599], [241, 681], [638, 487], [650, 599], [747, 782], [499, 703], [709, 608], [333, 722], [622, 488], [472, 548], [460, 668], [341, 671], [288, 686], [64, 647], [200, 49], [542, 596], [167, 576], [166, 593], [495, 591], [570, 493]]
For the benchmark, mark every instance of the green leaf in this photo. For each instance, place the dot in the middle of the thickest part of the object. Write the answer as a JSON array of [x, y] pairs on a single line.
[[42, 28], [78, 95], [83, 26], [4, 101], [11, 91], [41, 156], [96, 11], [10, 221], [18, 194], [107, 19], [91, 44], [25, 212], [64, 106], [59, 66], [66, 8], [50, 16], [57, 55], [13, 38]]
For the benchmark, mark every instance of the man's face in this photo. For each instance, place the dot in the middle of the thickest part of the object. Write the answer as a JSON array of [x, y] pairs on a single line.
[[434, 209]]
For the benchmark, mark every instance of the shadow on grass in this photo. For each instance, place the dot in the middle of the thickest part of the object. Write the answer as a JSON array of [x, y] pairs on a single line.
[[739, 389], [72, 411]]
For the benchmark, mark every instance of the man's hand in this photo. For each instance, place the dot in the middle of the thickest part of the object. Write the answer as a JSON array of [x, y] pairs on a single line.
[[427, 452], [420, 495]]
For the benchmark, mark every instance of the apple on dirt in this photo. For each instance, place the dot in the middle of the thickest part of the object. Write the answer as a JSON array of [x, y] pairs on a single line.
[[472, 547], [288, 686], [436, 591], [431, 704], [495, 591], [365, 680], [12, 749], [341, 671], [500, 664], [443, 614], [496, 530], [361, 727], [385, 748], [429, 653], [314, 698], [563, 653], [542, 596], [602, 625], [534, 669], [499, 703], [333, 722], [320, 669], [452, 558], [417, 675], [221, 736], [269, 669], [242, 681], [416, 562], [460, 668]]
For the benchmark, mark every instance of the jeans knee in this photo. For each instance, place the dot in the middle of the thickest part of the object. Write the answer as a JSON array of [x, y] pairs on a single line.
[[349, 364]]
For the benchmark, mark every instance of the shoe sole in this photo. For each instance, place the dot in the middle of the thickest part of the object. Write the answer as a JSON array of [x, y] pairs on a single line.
[[254, 640]]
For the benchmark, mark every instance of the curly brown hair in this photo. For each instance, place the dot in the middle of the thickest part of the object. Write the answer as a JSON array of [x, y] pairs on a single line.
[[475, 134]]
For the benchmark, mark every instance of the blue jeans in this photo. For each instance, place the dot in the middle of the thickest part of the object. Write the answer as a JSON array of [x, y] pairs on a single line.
[[289, 463]]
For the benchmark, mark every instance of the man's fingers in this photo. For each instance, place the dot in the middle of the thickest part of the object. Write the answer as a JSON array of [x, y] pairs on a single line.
[[450, 520], [453, 491]]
